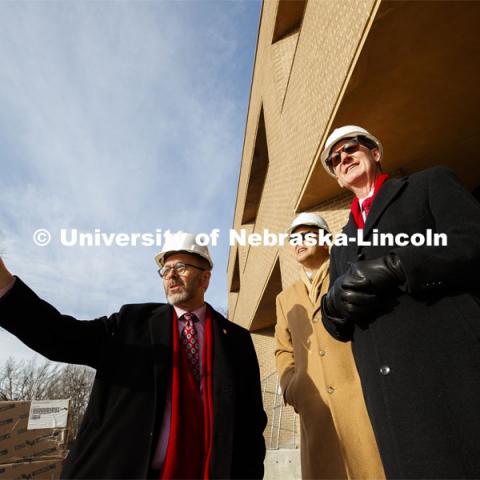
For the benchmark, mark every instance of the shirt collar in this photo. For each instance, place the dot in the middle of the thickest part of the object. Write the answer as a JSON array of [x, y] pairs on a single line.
[[308, 274], [361, 200], [200, 312]]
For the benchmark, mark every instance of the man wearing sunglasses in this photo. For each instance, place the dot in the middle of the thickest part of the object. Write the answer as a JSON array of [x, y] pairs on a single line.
[[411, 312], [177, 390], [317, 373]]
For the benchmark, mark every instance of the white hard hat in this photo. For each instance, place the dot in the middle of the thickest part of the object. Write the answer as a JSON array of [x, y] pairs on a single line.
[[309, 219], [182, 242], [348, 131]]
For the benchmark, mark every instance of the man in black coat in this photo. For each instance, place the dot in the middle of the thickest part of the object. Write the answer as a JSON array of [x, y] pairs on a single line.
[[411, 311], [145, 408]]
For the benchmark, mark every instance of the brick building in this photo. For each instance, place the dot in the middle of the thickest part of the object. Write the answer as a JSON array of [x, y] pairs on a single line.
[[405, 70]]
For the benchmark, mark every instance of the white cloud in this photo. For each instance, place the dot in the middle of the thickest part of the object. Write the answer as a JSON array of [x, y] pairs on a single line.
[[124, 116]]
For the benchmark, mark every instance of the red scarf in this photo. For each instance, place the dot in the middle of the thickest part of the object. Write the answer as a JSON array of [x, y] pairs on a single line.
[[190, 440], [356, 211]]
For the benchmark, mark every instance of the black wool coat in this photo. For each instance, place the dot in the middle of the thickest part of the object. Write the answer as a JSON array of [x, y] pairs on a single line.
[[132, 353], [419, 357]]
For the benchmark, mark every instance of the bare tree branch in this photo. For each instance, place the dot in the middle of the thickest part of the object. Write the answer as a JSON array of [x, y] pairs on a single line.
[[20, 380]]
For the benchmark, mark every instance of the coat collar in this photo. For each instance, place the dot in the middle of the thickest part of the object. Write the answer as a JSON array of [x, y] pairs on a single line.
[[390, 189], [384, 197]]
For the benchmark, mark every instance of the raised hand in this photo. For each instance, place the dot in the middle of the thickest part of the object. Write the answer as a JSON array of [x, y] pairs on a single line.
[[5, 276]]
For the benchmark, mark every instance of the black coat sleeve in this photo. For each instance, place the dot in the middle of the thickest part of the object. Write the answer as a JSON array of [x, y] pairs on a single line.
[[58, 337]]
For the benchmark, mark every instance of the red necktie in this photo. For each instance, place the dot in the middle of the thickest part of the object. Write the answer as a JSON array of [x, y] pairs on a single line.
[[191, 344], [366, 205]]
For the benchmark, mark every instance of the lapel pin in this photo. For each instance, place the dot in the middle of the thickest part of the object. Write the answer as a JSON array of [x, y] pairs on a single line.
[[225, 331]]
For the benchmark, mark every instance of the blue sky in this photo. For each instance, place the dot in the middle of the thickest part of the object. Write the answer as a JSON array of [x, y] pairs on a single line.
[[125, 116]]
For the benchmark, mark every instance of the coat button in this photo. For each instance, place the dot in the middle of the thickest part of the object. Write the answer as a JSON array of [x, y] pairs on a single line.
[[322, 353], [330, 390], [384, 369]]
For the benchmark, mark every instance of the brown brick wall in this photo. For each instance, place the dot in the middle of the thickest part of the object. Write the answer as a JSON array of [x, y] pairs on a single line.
[[297, 83]]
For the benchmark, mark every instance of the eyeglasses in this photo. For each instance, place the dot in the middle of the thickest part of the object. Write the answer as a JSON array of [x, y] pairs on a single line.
[[180, 269], [334, 159]]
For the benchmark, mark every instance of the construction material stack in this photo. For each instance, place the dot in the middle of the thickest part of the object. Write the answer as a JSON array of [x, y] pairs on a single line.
[[33, 438]]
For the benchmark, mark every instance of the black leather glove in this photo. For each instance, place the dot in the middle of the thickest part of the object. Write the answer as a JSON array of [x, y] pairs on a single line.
[[348, 299], [380, 274]]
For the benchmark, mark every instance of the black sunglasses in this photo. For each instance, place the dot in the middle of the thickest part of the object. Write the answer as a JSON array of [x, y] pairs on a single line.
[[334, 159]]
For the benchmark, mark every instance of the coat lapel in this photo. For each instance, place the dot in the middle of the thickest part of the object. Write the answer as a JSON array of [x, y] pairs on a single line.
[[348, 254], [350, 228], [352, 253], [301, 294], [160, 323], [161, 327], [223, 399], [385, 196]]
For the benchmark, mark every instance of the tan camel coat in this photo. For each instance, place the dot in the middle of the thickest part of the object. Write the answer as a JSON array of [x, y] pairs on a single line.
[[319, 379]]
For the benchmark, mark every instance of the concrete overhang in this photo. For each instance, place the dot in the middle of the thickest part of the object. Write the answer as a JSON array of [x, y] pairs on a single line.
[[415, 85]]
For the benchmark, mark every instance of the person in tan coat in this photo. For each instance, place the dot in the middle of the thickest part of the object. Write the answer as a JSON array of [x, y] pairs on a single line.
[[318, 374]]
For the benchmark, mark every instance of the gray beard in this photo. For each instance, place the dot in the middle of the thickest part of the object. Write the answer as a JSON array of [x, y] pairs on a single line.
[[186, 294], [176, 298]]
